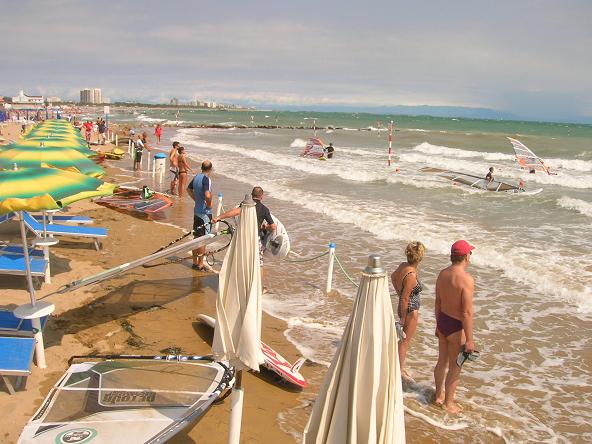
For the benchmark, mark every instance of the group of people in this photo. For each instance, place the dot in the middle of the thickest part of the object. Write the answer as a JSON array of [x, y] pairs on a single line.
[[453, 313], [200, 190], [100, 126], [179, 168]]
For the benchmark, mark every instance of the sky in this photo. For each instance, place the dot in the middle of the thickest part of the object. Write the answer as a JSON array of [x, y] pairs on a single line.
[[530, 58]]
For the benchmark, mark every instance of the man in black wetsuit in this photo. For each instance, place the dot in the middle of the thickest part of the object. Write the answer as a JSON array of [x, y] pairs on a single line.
[[330, 151], [264, 220]]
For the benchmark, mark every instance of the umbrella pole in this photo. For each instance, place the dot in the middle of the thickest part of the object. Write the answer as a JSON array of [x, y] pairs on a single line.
[[27, 260], [236, 410]]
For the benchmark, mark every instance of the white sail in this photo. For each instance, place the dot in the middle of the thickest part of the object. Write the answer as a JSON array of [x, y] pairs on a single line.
[[527, 160], [131, 399]]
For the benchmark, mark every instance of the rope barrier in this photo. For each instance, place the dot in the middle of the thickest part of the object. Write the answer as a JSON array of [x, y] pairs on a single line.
[[308, 259], [345, 272]]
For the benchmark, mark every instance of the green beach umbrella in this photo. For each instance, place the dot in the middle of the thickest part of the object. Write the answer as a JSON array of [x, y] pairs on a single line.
[[82, 147], [63, 158], [37, 189], [34, 189]]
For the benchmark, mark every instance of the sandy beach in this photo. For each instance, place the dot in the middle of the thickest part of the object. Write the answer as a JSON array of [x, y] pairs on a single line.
[[144, 311]]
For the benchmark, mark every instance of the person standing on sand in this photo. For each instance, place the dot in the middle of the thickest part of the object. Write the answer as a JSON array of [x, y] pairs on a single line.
[[408, 287], [139, 146], [200, 190], [184, 170], [174, 168], [158, 132], [454, 322], [102, 128]]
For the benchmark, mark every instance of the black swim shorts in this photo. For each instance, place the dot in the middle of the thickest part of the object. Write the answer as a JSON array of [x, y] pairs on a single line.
[[201, 224]]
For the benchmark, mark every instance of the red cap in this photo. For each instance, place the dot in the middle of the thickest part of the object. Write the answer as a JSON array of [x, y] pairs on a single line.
[[460, 248]]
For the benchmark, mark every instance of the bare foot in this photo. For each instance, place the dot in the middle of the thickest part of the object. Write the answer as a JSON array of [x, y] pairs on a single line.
[[439, 401], [453, 408]]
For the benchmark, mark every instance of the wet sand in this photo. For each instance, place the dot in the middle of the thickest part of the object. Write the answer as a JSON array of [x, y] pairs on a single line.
[[143, 311]]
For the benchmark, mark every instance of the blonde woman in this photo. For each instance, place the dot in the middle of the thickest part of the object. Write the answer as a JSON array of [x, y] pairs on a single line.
[[408, 287]]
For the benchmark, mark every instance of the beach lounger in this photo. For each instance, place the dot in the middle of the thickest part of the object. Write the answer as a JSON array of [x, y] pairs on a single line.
[[15, 264], [17, 250], [64, 230], [10, 325], [16, 356], [64, 219]]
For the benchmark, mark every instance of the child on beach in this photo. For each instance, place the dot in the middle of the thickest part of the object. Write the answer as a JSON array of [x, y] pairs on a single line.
[[408, 287]]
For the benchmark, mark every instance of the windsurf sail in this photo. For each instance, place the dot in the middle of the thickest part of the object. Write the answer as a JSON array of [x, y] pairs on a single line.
[[142, 200], [131, 399], [315, 148], [527, 160], [474, 181]]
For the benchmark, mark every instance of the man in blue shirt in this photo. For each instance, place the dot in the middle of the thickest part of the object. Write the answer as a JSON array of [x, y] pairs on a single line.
[[200, 190]]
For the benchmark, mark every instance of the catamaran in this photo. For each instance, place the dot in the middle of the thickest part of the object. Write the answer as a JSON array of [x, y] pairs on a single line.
[[527, 160]]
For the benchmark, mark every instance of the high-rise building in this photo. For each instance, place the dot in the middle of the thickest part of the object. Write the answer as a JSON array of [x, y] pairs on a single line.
[[90, 96], [97, 96]]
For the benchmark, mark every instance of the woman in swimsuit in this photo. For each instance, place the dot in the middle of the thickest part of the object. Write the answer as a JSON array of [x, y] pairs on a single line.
[[408, 287], [184, 169]]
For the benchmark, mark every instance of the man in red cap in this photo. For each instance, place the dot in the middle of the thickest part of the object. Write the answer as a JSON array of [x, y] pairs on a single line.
[[454, 322]]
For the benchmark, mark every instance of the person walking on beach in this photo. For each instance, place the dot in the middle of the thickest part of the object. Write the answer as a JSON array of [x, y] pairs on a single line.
[[102, 127], [184, 169], [264, 220], [88, 127], [200, 190], [174, 168], [454, 323], [408, 287], [158, 132], [140, 144]]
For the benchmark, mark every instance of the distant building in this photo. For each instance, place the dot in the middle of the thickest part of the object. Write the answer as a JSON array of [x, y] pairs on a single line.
[[91, 96], [54, 99], [174, 101], [22, 98]]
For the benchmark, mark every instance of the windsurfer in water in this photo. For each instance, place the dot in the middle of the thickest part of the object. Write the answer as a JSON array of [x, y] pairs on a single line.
[[330, 151], [489, 177]]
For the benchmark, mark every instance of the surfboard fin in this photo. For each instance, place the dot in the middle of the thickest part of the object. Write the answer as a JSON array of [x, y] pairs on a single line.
[[299, 363]]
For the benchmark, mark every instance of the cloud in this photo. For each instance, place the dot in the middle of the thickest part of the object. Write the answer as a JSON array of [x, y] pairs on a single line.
[[528, 57]]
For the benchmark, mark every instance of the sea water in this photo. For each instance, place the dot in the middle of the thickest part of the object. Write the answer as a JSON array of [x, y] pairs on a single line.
[[532, 263]]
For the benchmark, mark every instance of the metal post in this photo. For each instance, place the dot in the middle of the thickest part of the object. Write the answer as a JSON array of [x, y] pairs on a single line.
[[218, 212], [116, 140], [153, 165], [330, 268], [390, 139], [236, 410], [148, 157]]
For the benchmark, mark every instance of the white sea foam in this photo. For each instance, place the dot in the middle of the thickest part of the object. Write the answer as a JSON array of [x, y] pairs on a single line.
[[456, 153], [578, 205], [298, 143], [144, 118]]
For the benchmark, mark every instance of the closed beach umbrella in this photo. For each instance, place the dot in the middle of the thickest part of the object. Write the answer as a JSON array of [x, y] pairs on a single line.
[[37, 189], [63, 158], [361, 399], [237, 336]]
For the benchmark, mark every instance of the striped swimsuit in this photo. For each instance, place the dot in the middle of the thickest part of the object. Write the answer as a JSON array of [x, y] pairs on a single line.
[[414, 299]]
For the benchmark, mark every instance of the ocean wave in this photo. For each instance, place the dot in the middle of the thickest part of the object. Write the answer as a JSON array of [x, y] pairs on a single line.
[[578, 205], [144, 118], [456, 153]]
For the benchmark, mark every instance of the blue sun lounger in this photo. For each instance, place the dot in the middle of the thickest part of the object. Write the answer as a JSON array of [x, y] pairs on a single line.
[[64, 230], [10, 325], [15, 264], [16, 356], [64, 219]]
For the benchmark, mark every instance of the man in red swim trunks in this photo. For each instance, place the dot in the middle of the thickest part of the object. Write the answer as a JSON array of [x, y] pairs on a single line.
[[454, 322]]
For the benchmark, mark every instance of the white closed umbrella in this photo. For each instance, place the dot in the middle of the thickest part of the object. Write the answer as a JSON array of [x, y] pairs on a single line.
[[237, 336], [361, 399]]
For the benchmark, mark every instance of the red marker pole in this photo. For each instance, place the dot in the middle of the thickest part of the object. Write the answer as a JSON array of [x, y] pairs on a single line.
[[390, 142]]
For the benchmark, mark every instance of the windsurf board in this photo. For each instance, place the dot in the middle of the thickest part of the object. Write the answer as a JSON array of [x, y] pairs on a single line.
[[273, 360]]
